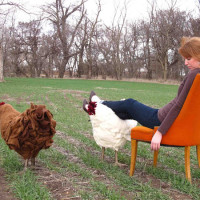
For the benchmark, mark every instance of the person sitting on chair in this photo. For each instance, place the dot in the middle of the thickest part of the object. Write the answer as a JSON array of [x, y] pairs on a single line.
[[165, 116]]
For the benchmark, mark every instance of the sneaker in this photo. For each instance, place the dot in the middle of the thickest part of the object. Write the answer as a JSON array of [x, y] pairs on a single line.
[[84, 104]]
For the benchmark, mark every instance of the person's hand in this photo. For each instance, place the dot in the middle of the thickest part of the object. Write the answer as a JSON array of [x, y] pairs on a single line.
[[156, 140]]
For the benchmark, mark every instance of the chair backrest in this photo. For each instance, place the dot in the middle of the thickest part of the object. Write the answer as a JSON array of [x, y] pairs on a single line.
[[185, 131]]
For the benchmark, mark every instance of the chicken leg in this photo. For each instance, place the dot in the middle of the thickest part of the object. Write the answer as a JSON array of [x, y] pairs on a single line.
[[26, 164], [102, 153], [27, 161], [32, 161], [116, 160]]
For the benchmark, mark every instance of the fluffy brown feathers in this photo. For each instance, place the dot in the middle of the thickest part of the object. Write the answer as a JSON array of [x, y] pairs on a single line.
[[28, 132]]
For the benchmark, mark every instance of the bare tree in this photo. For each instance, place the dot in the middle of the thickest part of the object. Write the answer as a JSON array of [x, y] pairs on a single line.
[[50, 53], [1, 66], [90, 42], [59, 15], [29, 33], [116, 36], [86, 44], [104, 48], [130, 51], [164, 37], [80, 45], [195, 26], [3, 16], [13, 52]]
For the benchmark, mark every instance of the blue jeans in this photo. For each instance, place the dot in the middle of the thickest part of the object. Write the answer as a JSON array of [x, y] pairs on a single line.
[[132, 109]]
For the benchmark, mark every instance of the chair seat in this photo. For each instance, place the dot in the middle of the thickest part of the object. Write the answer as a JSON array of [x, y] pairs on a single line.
[[145, 134], [142, 133]]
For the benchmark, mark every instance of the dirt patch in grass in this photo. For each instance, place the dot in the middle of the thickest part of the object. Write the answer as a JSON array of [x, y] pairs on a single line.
[[166, 188], [59, 185], [98, 175], [75, 93], [143, 177], [5, 192], [68, 184], [6, 98]]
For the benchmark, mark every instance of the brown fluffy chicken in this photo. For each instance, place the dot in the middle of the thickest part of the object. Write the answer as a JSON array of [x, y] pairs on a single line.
[[28, 132]]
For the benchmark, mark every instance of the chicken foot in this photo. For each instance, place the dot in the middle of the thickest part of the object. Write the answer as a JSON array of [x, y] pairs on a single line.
[[116, 158]]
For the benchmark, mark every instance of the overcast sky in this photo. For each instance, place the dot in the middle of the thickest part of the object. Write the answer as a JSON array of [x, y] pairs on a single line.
[[136, 8]]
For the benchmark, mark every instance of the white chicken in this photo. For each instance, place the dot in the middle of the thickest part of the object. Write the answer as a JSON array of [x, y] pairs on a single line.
[[109, 130]]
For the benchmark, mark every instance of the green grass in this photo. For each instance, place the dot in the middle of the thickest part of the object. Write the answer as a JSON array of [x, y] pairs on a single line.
[[24, 185], [76, 156]]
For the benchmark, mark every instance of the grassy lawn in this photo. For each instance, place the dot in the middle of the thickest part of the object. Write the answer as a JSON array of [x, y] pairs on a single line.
[[72, 168]]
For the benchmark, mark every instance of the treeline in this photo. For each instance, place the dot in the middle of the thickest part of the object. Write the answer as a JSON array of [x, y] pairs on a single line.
[[81, 47]]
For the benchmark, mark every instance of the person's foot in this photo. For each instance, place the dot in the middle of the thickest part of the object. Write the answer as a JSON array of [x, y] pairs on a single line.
[[84, 105], [92, 93]]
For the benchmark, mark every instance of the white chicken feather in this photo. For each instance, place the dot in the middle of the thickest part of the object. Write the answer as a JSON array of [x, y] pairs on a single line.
[[109, 130]]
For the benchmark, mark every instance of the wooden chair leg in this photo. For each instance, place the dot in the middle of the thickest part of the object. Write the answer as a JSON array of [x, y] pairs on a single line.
[[187, 164], [155, 158], [198, 154], [134, 144]]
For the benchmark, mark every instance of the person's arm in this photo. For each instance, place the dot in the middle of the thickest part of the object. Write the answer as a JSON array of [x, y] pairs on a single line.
[[176, 108], [156, 140], [173, 113]]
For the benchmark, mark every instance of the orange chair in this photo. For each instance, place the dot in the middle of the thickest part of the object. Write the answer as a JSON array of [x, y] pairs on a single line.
[[184, 132]]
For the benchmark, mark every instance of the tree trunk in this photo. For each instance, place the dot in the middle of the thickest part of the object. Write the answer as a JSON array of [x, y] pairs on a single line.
[[165, 74], [1, 66], [80, 67], [149, 74]]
